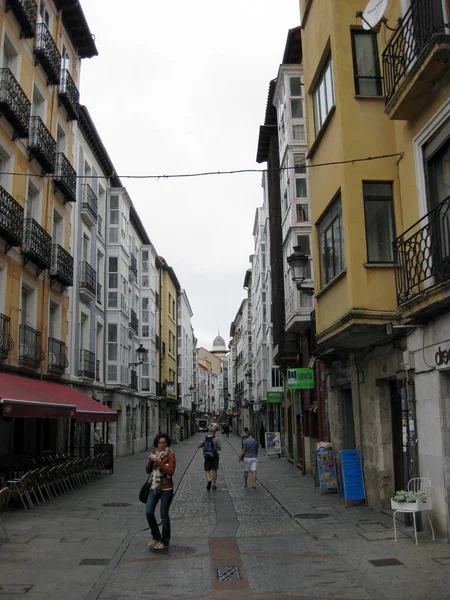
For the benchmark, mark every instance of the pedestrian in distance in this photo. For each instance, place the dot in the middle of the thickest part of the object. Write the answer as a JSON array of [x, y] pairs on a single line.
[[244, 435], [211, 448], [161, 467], [226, 429], [249, 454]]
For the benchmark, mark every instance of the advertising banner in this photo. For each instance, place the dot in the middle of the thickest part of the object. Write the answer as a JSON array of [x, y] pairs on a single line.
[[274, 397], [300, 379], [273, 443], [326, 467]]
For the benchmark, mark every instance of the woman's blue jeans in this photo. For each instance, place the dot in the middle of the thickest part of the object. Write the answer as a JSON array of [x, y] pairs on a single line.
[[152, 501]]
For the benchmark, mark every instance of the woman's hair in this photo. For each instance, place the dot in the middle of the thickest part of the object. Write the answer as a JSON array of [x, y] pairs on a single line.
[[160, 436]]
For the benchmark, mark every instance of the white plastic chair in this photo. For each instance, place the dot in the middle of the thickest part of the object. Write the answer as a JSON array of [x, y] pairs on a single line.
[[417, 484]]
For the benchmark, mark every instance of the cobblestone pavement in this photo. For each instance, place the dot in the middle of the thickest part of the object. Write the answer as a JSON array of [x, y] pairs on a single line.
[[281, 540]]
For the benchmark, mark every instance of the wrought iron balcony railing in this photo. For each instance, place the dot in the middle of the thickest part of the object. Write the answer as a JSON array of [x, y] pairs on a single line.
[[88, 278], [47, 53], [37, 244], [42, 145], [134, 321], [90, 202], [86, 364], [57, 358], [422, 253], [133, 380], [11, 220], [25, 12], [69, 95], [411, 37], [30, 345], [62, 266], [14, 103], [133, 264], [99, 293], [6, 341], [65, 178]]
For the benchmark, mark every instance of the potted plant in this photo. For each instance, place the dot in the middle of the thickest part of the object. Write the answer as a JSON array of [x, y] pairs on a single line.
[[410, 501]]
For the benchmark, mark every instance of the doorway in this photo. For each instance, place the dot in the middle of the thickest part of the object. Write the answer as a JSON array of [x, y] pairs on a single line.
[[299, 431], [397, 434], [347, 421]]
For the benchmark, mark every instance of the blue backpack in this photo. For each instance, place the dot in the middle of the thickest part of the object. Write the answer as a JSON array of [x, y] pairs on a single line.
[[208, 447]]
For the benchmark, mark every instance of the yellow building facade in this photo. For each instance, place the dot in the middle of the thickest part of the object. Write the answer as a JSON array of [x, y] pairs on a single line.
[[41, 51], [378, 107]]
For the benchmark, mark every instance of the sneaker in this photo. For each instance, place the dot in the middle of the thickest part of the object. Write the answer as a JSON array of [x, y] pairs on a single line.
[[208, 485], [214, 487]]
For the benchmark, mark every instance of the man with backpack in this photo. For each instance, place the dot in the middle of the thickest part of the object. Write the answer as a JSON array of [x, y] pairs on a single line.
[[211, 448]]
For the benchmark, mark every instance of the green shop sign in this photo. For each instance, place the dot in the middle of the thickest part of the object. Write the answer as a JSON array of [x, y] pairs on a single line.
[[300, 379], [274, 397]]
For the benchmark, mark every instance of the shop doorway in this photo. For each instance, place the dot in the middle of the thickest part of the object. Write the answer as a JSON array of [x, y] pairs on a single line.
[[347, 421], [397, 445], [290, 433], [299, 430]]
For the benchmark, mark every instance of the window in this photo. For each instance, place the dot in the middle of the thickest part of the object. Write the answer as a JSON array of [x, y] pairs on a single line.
[[114, 220], [6, 162], [33, 205], [145, 269], [44, 15], [323, 96], [300, 187], [113, 281], [302, 213], [65, 59], [366, 66], [38, 103], [11, 56], [298, 133], [61, 140], [296, 99], [379, 216], [304, 245], [331, 235]]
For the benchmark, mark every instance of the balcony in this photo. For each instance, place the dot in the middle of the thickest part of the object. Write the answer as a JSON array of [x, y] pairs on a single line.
[[422, 260], [99, 293], [86, 364], [41, 145], [416, 60], [133, 265], [11, 220], [133, 380], [25, 12], [57, 358], [134, 321], [30, 346], [89, 206], [88, 282], [65, 178], [47, 53], [14, 104], [6, 341], [61, 269], [37, 245], [69, 95]]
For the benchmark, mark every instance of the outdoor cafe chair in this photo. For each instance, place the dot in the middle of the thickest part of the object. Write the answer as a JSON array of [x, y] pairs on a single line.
[[3, 502], [22, 488]]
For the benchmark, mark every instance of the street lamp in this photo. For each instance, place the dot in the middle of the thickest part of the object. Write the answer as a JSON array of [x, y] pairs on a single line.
[[298, 263], [142, 353]]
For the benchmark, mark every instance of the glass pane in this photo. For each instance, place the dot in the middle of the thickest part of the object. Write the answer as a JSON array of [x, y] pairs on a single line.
[[296, 86], [298, 132], [380, 189], [114, 217], [303, 243], [379, 230], [364, 51], [299, 163], [113, 264], [300, 187], [114, 202], [337, 247], [112, 351], [297, 109], [302, 213], [113, 280], [112, 333], [368, 87], [329, 84], [329, 258]]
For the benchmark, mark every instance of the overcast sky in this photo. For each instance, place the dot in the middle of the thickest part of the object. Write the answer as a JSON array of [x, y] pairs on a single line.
[[181, 87]]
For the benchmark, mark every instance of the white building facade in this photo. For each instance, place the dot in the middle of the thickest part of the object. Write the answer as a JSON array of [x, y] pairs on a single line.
[[186, 338]]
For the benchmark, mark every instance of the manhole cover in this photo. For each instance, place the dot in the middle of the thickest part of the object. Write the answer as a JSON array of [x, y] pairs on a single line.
[[15, 589], [385, 562], [95, 561], [117, 504], [227, 573], [311, 516]]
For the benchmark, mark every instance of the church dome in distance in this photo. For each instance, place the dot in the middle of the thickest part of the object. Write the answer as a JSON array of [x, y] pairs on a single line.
[[219, 344]]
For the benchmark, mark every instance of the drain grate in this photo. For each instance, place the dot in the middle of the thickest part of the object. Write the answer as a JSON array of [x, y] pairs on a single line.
[[311, 516], [385, 562], [227, 573], [95, 561], [117, 504]]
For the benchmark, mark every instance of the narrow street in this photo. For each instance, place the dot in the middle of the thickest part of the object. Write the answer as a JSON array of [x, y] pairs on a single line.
[[282, 540]]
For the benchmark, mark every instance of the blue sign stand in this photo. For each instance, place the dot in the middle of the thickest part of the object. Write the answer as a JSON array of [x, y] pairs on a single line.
[[352, 476]]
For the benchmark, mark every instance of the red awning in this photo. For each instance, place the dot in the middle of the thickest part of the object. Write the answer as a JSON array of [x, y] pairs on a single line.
[[33, 398]]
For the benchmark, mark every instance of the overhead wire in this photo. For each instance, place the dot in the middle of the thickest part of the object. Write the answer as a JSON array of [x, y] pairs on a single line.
[[231, 172]]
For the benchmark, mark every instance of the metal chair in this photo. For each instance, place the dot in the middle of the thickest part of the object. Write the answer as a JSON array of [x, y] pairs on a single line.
[[3, 502], [417, 484], [21, 487]]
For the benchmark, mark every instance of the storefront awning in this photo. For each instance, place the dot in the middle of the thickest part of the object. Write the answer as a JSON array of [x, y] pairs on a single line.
[[22, 397]]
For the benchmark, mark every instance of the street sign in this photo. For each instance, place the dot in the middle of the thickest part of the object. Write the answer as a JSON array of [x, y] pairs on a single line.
[[300, 379], [274, 397]]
